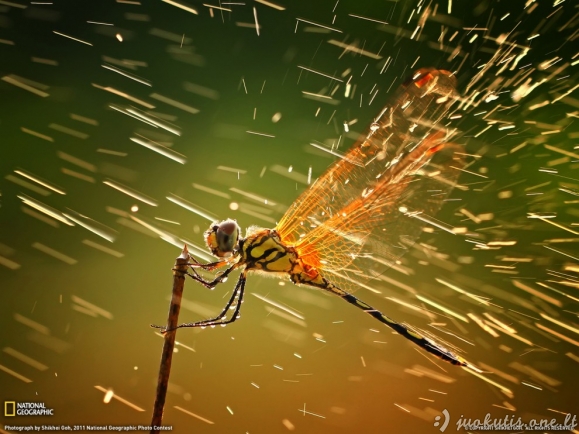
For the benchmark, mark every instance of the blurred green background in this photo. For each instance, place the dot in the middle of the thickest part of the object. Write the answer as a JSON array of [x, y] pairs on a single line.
[[57, 346]]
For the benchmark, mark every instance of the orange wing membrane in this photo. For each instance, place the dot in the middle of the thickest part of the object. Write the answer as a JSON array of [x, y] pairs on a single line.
[[364, 207]]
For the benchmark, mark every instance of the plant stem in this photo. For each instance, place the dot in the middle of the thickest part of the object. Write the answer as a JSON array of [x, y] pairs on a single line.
[[179, 272]]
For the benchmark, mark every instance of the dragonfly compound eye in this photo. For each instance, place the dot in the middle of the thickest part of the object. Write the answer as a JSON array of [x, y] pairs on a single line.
[[222, 238]]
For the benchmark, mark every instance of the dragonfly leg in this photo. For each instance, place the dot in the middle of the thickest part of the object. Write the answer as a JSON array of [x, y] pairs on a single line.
[[220, 319], [413, 336], [209, 266], [211, 284]]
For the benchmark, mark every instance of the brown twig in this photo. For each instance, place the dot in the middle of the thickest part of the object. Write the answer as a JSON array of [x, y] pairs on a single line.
[[179, 272]]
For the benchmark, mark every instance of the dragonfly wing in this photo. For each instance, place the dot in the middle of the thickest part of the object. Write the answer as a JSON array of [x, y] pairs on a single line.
[[405, 162], [415, 208], [382, 225]]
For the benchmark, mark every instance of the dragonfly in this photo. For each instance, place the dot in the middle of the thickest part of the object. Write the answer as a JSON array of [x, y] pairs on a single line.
[[365, 211]]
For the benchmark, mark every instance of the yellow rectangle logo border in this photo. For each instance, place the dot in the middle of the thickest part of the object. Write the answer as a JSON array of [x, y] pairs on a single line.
[[6, 412]]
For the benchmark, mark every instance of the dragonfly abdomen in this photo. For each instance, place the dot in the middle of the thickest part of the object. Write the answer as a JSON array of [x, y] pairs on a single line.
[[422, 341]]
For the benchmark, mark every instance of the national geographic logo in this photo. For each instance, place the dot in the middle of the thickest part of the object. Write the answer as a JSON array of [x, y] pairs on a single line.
[[9, 408], [13, 408]]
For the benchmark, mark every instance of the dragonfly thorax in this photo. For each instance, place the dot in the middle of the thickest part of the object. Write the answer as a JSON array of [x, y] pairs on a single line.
[[263, 250]]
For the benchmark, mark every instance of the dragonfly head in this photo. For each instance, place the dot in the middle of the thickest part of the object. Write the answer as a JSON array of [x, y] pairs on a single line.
[[222, 238]]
